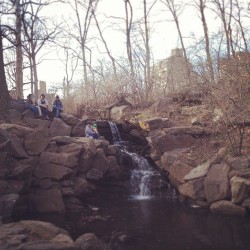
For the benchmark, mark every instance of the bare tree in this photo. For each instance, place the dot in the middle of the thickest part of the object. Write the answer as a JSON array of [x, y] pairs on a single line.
[[18, 42], [175, 10], [70, 61], [221, 11], [36, 36], [4, 94], [238, 18], [201, 4], [82, 26], [106, 46]]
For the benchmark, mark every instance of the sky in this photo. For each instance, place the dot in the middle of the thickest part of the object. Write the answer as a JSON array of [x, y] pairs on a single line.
[[163, 37]]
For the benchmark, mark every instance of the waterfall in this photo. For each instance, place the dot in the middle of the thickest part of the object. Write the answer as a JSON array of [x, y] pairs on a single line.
[[145, 181], [115, 133]]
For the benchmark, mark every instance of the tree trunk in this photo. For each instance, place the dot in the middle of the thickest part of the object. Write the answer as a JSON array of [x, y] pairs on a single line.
[[19, 53], [4, 94], [148, 72], [35, 76], [205, 29]]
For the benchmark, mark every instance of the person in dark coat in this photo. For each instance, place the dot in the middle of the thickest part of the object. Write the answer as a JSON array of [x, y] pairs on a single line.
[[57, 106], [30, 104]]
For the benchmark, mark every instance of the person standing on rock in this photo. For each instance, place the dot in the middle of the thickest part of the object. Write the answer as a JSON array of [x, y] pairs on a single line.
[[43, 106], [57, 106]]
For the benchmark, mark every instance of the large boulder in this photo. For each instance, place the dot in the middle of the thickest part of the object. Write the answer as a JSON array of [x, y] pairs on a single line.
[[174, 138], [10, 144], [193, 189], [216, 183], [240, 189], [53, 171], [36, 142], [36, 123], [59, 128], [16, 130], [78, 129], [178, 171], [89, 241], [34, 235], [157, 123], [227, 207], [120, 112], [14, 116], [237, 163], [63, 159], [99, 161], [49, 200], [69, 119], [7, 203]]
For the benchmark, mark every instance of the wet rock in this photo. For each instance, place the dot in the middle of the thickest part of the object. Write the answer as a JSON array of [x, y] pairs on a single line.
[[7, 203], [47, 245], [59, 128], [111, 150], [240, 189], [94, 174], [81, 187], [90, 242], [137, 135], [227, 207], [49, 201], [246, 203], [193, 189], [216, 183], [177, 171], [34, 235], [114, 170], [73, 204], [99, 161]]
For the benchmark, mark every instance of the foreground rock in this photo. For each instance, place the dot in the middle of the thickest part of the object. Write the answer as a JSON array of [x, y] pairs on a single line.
[[37, 235]]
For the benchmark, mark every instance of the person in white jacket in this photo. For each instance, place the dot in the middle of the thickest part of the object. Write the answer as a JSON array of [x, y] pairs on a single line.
[[43, 106]]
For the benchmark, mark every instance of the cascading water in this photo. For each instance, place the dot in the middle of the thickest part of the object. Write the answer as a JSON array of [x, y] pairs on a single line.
[[115, 133], [145, 181]]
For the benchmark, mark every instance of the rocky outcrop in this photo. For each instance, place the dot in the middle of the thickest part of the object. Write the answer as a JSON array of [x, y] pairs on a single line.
[[43, 169], [35, 235], [220, 182]]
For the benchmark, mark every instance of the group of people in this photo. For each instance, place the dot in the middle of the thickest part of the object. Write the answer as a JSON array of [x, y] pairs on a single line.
[[41, 108]]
